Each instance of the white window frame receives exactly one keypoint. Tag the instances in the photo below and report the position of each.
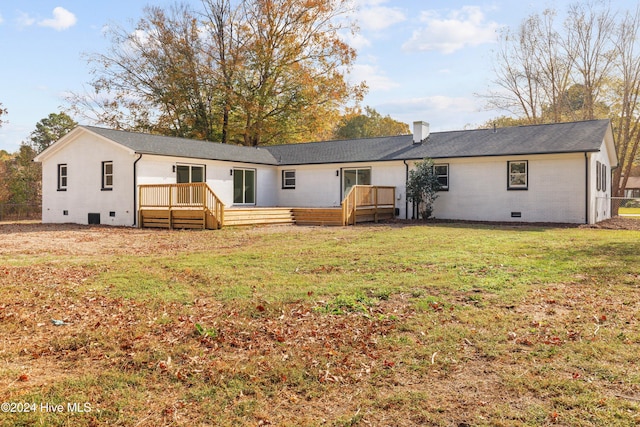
(512, 175)
(445, 175)
(289, 179)
(63, 176)
(107, 177)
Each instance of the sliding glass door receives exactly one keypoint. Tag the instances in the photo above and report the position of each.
(244, 186)
(351, 177)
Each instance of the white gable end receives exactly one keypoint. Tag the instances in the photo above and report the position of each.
(81, 156)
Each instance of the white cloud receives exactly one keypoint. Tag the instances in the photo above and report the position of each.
(440, 103)
(372, 18)
(378, 18)
(24, 20)
(1, 19)
(375, 79)
(441, 112)
(461, 28)
(62, 19)
(356, 41)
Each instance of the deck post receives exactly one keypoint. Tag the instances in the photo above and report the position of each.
(355, 205)
(138, 207)
(375, 204)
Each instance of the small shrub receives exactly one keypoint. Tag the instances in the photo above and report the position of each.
(422, 187)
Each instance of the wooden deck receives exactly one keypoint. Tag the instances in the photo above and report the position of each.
(194, 206)
(177, 218)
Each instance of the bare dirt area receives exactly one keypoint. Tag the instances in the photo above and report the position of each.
(618, 223)
(56, 239)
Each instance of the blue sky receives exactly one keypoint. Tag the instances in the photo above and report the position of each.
(422, 59)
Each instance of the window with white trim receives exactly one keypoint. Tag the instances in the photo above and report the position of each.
(107, 175)
(441, 172)
(289, 179)
(62, 177)
(517, 175)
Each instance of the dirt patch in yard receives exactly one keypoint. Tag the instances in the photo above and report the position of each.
(617, 223)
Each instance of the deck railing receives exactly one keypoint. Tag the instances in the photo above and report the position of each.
(369, 197)
(196, 195)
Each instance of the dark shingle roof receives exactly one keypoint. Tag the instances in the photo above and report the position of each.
(181, 147)
(586, 136)
(540, 139)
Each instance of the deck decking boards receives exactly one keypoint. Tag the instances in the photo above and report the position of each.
(196, 206)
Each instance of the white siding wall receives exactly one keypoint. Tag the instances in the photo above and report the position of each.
(159, 170)
(478, 190)
(599, 200)
(316, 186)
(321, 185)
(477, 186)
(84, 195)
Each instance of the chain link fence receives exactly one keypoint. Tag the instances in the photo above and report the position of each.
(623, 206)
(20, 211)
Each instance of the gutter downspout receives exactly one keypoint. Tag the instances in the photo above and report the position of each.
(406, 181)
(135, 191)
(586, 188)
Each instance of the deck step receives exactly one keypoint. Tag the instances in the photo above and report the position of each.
(262, 216)
(199, 219)
(318, 216)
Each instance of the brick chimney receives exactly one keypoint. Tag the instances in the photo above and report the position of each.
(420, 132)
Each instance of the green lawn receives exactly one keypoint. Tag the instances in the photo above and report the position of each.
(370, 325)
(629, 211)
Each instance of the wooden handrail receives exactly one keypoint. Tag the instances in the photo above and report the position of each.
(359, 196)
(188, 195)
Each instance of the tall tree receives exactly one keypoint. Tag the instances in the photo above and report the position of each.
(626, 98)
(50, 129)
(294, 68)
(156, 78)
(21, 177)
(587, 69)
(250, 71)
(518, 75)
(589, 30)
(369, 124)
(226, 52)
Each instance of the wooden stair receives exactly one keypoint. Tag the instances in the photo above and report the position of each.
(195, 205)
(258, 216)
(318, 216)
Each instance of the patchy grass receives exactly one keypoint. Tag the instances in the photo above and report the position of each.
(381, 325)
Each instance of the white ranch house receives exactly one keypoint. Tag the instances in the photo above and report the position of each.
(558, 173)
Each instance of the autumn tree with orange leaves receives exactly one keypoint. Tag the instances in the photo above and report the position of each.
(252, 72)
